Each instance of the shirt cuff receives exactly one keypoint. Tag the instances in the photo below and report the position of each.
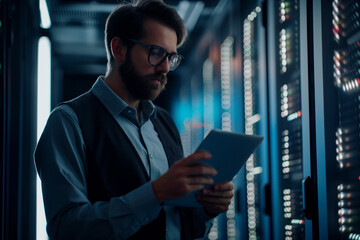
(143, 203)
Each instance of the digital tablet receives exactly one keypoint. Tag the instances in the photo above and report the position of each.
(229, 152)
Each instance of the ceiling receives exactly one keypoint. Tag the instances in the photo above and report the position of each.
(77, 30)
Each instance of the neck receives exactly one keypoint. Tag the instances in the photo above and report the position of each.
(115, 82)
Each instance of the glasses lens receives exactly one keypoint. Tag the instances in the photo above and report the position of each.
(156, 55)
(174, 61)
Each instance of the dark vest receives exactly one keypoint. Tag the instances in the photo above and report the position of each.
(113, 165)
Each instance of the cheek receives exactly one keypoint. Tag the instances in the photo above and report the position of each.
(141, 64)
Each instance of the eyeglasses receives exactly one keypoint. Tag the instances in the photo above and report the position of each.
(157, 55)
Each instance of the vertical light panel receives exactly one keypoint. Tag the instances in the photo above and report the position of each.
(226, 82)
(208, 92)
(208, 85)
(226, 92)
(44, 15)
(43, 111)
(251, 118)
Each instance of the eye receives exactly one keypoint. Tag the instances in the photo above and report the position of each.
(157, 53)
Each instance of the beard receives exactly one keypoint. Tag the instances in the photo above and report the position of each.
(141, 87)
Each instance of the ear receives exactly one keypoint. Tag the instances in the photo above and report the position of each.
(118, 49)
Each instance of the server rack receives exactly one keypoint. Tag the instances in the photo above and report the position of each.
(337, 100)
(289, 120)
(19, 29)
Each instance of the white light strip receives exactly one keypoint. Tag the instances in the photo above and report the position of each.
(226, 82)
(248, 38)
(283, 39)
(250, 119)
(208, 83)
(194, 16)
(43, 111)
(182, 8)
(43, 84)
(214, 233)
(208, 79)
(44, 14)
(227, 48)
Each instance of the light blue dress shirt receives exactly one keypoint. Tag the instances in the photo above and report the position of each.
(59, 157)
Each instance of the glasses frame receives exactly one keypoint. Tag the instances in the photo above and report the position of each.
(167, 54)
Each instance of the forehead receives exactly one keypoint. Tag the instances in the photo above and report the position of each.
(160, 34)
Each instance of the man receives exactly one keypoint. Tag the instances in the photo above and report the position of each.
(110, 160)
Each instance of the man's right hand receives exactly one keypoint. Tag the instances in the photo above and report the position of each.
(184, 177)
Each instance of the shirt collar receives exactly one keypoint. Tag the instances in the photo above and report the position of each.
(114, 104)
(148, 108)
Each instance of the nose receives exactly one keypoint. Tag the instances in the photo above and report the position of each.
(164, 66)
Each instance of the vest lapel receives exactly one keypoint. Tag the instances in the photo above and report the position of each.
(170, 150)
(134, 151)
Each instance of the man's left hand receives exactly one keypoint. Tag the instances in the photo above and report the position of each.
(216, 199)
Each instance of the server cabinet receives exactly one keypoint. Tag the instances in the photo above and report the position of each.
(337, 102)
(289, 118)
(19, 30)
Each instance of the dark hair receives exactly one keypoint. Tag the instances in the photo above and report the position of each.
(127, 22)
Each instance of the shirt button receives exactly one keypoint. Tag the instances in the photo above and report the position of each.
(151, 155)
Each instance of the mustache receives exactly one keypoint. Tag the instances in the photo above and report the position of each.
(161, 76)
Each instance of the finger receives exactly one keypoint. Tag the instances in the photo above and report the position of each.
(195, 187)
(223, 186)
(200, 180)
(210, 192)
(200, 170)
(195, 157)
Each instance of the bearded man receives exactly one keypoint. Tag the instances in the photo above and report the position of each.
(109, 160)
